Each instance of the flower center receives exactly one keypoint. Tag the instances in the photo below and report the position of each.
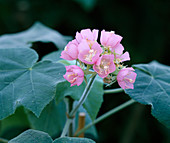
(89, 56)
(74, 74)
(73, 80)
(104, 67)
(129, 80)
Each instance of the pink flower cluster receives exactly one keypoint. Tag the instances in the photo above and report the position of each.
(105, 59)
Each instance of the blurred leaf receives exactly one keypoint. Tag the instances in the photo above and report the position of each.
(73, 140)
(54, 56)
(87, 4)
(32, 136)
(152, 87)
(37, 33)
(25, 82)
(14, 124)
(51, 120)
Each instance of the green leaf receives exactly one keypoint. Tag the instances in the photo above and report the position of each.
(32, 136)
(51, 120)
(93, 101)
(25, 82)
(37, 33)
(53, 56)
(14, 124)
(152, 87)
(73, 140)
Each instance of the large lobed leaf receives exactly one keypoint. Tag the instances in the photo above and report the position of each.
(34, 136)
(25, 82)
(152, 87)
(37, 33)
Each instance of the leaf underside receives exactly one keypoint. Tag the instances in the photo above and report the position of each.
(152, 87)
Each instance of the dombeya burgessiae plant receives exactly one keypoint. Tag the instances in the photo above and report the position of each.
(40, 88)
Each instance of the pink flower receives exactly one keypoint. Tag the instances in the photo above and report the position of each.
(87, 34)
(126, 77)
(71, 51)
(104, 65)
(123, 57)
(89, 54)
(74, 75)
(109, 39)
(118, 50)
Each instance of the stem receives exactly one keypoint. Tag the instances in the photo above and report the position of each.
(83, 97)
(117, 90)
(80, 102)
(3, 140)
(70, 107)
(107, 114)
(66, 127)
(0, 126)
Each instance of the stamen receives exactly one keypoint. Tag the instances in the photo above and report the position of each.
(89, 56)
(66, 48)
(91, 51)
(73, 80)
(129, 80)
(74, 74)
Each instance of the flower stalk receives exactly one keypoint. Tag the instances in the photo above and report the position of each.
(80, 102)
(112, 91)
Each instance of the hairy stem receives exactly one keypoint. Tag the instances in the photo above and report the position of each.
(80, 102)
(107, 114)
(117, 90)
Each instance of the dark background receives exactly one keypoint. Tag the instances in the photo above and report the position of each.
(145, 27)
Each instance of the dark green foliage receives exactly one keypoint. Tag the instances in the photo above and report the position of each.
(25, 82)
